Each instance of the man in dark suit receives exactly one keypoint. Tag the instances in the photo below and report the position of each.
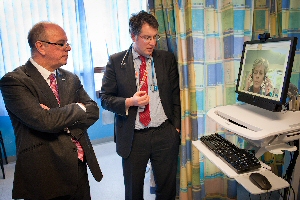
(52, 145)
(140, 137)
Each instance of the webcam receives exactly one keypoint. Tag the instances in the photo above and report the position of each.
(264, 36)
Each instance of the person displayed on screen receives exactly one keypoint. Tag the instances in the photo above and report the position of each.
(141, 86)
(257, 81)
(50, 112)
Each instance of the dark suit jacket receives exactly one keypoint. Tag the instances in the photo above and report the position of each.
(47, 163)
(119, 83)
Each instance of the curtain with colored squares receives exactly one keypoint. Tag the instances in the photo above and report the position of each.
(209, 41)
(166, 20)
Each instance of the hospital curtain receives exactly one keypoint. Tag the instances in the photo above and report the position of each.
(209, 41)
(211, 36)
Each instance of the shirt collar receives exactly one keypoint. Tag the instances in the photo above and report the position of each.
(136, 55)
(44, 72)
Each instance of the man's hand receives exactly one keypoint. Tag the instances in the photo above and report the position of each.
(82, 106)
(45, 107)
(140, 98)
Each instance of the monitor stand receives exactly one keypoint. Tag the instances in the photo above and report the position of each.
(265, 129)
(270, 131)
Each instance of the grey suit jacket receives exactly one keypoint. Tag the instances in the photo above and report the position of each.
(119, 83)
(47, 163)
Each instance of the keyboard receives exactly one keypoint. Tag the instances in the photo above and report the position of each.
(240, 160)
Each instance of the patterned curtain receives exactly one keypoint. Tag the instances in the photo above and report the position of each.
(207, 37)
(209, 40)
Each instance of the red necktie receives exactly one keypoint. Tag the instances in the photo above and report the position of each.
(54, 89)
(80, 152)
(145, 115)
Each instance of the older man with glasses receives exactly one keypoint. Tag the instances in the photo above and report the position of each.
(50, 112)
(141, 86)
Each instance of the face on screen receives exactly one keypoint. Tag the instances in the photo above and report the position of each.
(263, 69)
(258, 77)
(258, 81)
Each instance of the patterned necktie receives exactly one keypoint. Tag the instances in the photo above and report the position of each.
(54, 87)
(80, 152)
(145, 115)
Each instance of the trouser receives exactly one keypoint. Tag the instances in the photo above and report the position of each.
(161, 146)
(83, 188)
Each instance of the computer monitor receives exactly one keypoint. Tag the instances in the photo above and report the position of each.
(265, 71)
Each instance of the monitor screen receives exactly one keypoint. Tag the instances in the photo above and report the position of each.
(265, 72)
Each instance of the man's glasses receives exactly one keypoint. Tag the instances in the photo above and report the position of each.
(65, 45)
(149, 38)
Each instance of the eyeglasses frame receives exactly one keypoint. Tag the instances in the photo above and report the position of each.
(66, 45)
(149, 38)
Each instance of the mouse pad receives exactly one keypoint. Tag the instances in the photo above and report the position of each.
(277, 182)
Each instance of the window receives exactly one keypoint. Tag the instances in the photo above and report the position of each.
(107, 24)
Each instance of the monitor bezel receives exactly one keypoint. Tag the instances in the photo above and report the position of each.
(261, 101)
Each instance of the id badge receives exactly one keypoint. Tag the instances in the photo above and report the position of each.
(154, 88)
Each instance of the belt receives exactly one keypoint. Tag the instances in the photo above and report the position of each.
(152, 128)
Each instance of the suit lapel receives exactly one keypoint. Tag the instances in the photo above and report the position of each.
(41, 83)
(129, 73)
(159, 68)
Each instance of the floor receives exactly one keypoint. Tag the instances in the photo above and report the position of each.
(111, 186)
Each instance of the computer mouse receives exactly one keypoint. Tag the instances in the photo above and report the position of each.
(260, 181)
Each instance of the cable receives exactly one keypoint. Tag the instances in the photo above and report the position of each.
(290, 169)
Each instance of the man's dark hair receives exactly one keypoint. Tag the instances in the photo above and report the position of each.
(137, 20)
